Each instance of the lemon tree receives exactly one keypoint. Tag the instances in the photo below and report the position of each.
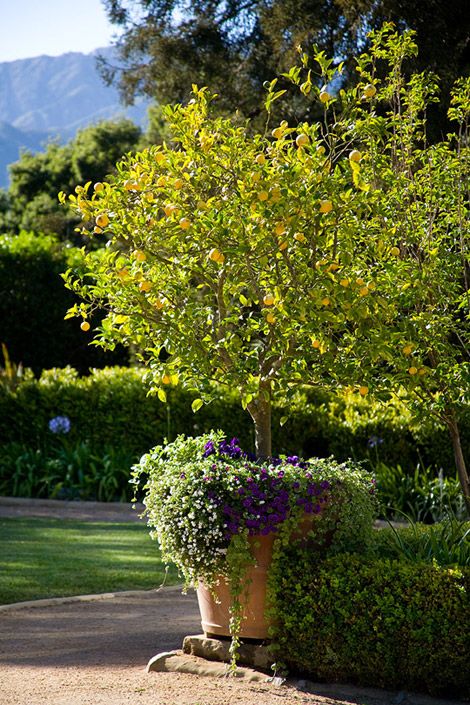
(327, 254)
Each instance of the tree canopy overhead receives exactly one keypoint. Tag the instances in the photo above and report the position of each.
(234, 46)
(331, 254)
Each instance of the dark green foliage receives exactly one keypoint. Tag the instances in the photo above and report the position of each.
(36, 179)
(234, 46)
(61, 470)
(110, 407)
(422, 493)
(379, 622)
(446, 543)
(33, 302)
(114, 422)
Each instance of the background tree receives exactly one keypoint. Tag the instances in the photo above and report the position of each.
(235, 46)
(36, 179)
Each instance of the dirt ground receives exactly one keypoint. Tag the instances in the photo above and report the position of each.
(95, 651)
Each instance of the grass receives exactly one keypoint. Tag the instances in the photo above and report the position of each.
(57, 558)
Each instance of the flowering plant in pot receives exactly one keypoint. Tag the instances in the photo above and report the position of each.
(210, 505)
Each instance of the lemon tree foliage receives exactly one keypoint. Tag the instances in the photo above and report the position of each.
(331, 254)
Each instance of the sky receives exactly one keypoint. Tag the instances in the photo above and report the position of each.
(30, 28)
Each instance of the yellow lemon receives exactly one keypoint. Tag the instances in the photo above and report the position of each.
(166, 379)
(324, 95)
(412, 371)
(344, 282)
(363, 291)
(302, 140)
(320, 150)
(123, 273)
(270, 318)
(277, 133)
(369, 91)
(145, 286)
(102, 220)
(300, 237)
(131, 185)
(280, 228)
(268, 300)
(160, 157)
(185, 223)
(179, 183)
(85, 326)
(260, 159)
(407, 350)
(263, 195)
(216, 256)
(283, 245)
(98, 187)
(325, 301)
(363, 391)
(355, 156)
(326, 206)
(140, 256)
(316, 344)
(169, 209)
(395, 251)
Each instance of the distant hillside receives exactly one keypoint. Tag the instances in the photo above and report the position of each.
(48, 97)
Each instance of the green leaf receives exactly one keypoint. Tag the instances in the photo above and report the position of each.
(161, 395)
(196, 405)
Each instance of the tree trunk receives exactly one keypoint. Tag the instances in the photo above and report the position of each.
(260, 412)
(453, 427)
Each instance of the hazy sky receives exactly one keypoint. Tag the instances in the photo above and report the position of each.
(33, 27)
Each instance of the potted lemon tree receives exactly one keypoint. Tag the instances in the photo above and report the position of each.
(313, 254)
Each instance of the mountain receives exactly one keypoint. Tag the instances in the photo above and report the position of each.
(52, 97)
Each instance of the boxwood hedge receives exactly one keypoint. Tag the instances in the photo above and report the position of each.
(375, 622)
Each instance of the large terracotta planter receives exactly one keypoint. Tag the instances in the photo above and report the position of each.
(214, 605)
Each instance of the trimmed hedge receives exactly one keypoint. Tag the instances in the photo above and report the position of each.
(33, 303)
(380, 622)
(111, 407)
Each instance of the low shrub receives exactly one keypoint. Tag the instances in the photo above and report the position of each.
(421, 494)
(374, 622)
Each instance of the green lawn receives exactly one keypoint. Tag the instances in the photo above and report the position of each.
(54, 558)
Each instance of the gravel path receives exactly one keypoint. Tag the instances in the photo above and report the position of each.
(94, 650)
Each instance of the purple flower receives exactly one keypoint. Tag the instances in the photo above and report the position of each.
(60, 425)
(209, 449)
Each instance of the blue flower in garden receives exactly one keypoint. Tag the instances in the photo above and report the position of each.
(60, 424)
(374, 441)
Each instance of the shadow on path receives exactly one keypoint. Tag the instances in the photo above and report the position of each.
(125, 629)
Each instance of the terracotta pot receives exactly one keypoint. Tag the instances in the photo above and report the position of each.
(215, 614)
